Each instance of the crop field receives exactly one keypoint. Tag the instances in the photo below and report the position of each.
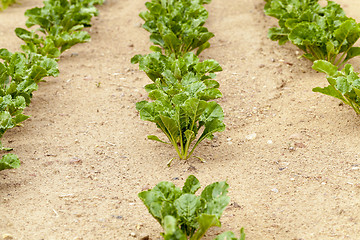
(254, 147)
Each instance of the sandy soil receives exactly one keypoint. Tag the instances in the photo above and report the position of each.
(85, 155)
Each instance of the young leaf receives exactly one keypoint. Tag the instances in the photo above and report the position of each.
(9, 161)
(155, 138)
(191, 185)
(172, 232)
(325, 67)
(205, 221)
(216, 198)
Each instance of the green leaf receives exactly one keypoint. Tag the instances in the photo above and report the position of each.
(172, 128)
(202, 48)
(209, 94)
(207, 66)
(20, 118)
(187, 206)
(155, 138)
(348, 33)
(353, 52)
(136, 59)
(216, 198)
(205, 221)
(325, 67)
(191, 185)
(172, 231)
(277, 34)
(9, 161)
(194, 108)
(330, 91)
(155, 198)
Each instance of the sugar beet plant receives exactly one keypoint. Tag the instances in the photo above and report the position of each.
(181, 91)
(344, 84)
(19, 77)
(182, 85)
(323, 33)
(184, 215)
(176, 26)
(60, 24)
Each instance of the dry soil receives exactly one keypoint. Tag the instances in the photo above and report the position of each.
(290, 156)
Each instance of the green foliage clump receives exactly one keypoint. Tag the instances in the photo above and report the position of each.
(181, 91)
(184, 215)
(323, 33)
(177, 26)
(344, 84)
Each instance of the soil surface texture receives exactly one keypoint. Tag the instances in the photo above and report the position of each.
(290, 156)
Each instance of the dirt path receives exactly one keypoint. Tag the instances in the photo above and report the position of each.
(85, 155)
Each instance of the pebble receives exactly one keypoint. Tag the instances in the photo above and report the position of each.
(295, 136)
(7, 236)
(251, 136)
(355, 168)
(89, 77)
(144, 237)
(133, 234)
(275, 190)
(269, 142)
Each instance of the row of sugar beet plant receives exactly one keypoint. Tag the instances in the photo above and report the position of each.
(181, 105)
(327, 37)
(60, 26)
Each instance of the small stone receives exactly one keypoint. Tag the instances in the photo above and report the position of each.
(269, 142)
(144, 237)
(261, 65)
(235, 205)
(355, 168)
(7, 236)
(275, 190)
(295, 136)
(89, 77)
(132, 234)
(251, 136)
(299, 145)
